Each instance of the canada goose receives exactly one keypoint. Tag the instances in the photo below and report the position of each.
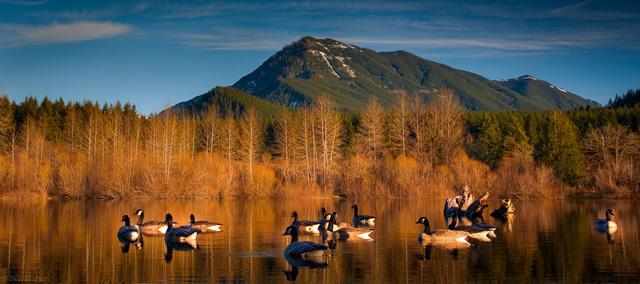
(443, 237)
(345, 232)
(607, 225)
(362, 219)
(128, 233)
(301, 249)
(204, 226)
(305, 226)
(314, 227)
(184, 234)
(150, 228)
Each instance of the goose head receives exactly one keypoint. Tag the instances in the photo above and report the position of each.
(139, 212)
(425, 222)
(125, 220)
(610, 214)
(168, 218)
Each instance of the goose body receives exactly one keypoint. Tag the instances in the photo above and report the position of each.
(127, 232)
(345, 232)
(362, 219)
(184, 234)
(150, 228)
(302, 249)
(607, 225)
(441, 237)
(204, 226)
(305, 226)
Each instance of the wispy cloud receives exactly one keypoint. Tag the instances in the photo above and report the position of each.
(20, 35)
(24, 2)
(233, 39)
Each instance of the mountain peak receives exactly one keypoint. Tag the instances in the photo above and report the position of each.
(527, 77)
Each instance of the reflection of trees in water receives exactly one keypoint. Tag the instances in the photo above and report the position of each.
(548, 241)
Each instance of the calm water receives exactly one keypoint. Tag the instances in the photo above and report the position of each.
(546, 241)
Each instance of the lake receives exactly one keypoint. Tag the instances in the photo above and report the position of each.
(550, 241)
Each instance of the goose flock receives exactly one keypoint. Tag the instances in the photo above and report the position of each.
(463, 215)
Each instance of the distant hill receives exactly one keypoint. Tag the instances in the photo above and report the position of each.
(227, 100)
(547, 95)
(351, 75)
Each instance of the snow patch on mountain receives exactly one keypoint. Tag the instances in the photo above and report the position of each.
(326, 60)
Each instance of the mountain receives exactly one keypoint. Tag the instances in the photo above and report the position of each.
(350, 75)
(546, 94)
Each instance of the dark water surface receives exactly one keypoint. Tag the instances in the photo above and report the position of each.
(546, 241)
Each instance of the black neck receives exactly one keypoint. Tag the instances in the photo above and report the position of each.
(427, 228)
(355, 211)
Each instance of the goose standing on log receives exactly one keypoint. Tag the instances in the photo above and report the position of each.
(362, 219)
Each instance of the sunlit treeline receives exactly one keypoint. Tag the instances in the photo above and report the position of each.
(417, 146)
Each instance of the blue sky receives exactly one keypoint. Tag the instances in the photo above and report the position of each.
(157, 53)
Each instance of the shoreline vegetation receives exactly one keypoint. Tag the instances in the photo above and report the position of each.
(419, 146)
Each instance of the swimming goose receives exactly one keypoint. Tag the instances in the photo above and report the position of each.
(345, 232)
(128, 233)
(150, 228)
(607, 225)
(362, 219)
(301, 249)
(441, 237)
(304, 225)
(204, 226)
(184, 234)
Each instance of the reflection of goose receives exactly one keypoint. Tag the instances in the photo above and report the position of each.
(607, 225)
(346, 232)
(446, 238)
(171, 246)
(297, 263)
(301, 249)
(128, 233)
(150, 228)
(204, 226)
(362, 219)
(180, 234)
